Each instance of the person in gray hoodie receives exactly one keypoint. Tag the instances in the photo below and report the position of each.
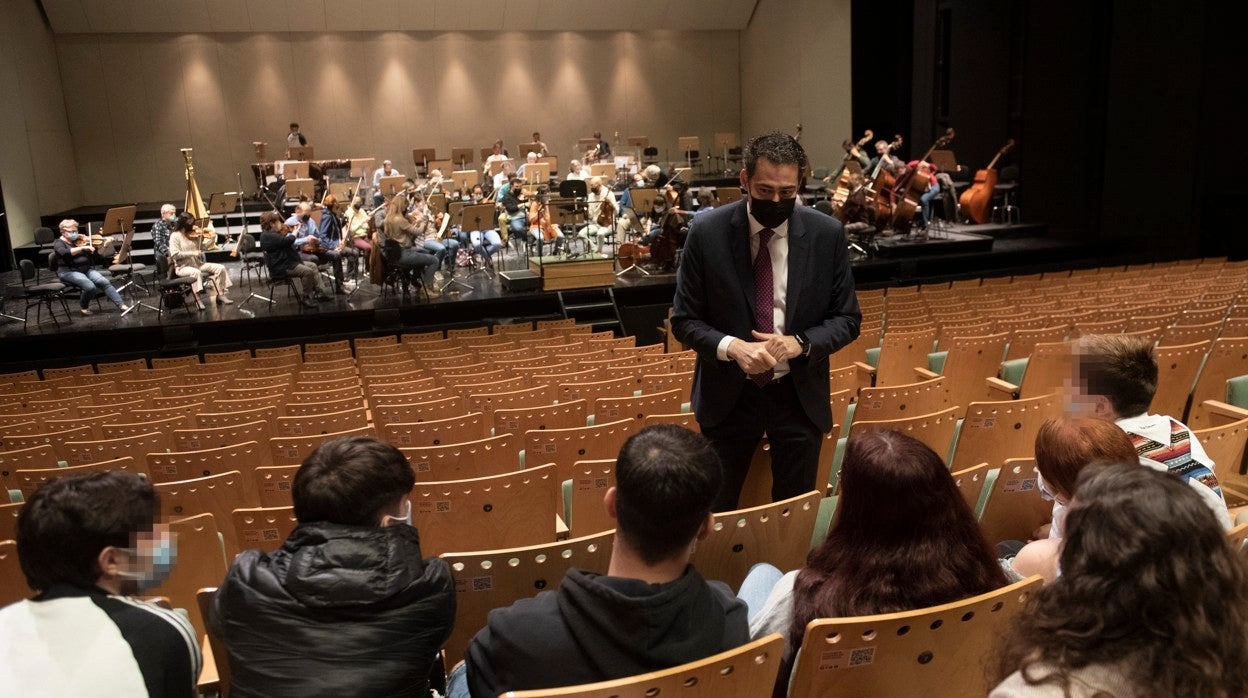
(650, 611)
(347, 606)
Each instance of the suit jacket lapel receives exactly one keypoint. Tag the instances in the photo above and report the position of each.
(740, 246)
(799, 259)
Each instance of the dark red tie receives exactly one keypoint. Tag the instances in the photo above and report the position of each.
(764, 297)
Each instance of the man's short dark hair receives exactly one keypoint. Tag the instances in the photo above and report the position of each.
(667, 478)
(351, 480)
(294, 125)
(778, 148)
(67, 522)
(1120, 367)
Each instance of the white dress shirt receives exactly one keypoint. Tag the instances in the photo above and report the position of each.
(779, 248)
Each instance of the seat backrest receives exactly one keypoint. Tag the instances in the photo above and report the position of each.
(1177, 367)
(993, 431)
(609, 409)
(37, 457)
(935, 429)
(868, 338)
(897, 401)
(488, 402)
(1014, 507)
(8, 518)
(564, 447)
(493, 455)
(201, 563)
(900, 352)
(218, 495)
(895, 653)
(320, 411)
(289, 450)
(502, 511)
(435, 432)
(225, 435)
(748, 670)
(274, 483)
(970, 484)
(1226, 359)
(494, 579)
(591, 390)
(518, 420)
(244, 457)
(83, 452)
(29, 480)
(586, 514)
(323, 423)
(1225, 446)
(265, 528)
(968, 362)
(778, 533)
(1049, 368)
(662, 382)
(1023, 341)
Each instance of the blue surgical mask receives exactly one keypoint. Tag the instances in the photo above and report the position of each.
(164, 554)
(405, 518)
(72, 236)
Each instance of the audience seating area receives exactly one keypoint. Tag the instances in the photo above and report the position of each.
(512, 431)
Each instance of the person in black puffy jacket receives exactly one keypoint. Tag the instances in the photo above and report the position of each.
(347, 606)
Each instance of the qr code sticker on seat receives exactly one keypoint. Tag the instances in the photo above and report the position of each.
(841, 659)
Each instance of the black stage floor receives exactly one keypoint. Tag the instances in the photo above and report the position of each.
(642, 301)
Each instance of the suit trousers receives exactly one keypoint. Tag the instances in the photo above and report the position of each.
(773, 410)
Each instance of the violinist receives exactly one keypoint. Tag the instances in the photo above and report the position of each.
(414, 260)
(577, 171)
(486, 241)
(301, 224)
(425, 229)
(505, 173)
(284, 261)
(188, 260)
(601, 210)
(530, 159)
(329, 233)
(512, 207)
(706, 203)
(73, 265)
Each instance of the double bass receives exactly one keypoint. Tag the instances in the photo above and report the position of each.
(883, 182)
(673, 228)
(841, 190)
(916, 184)
(974, 201)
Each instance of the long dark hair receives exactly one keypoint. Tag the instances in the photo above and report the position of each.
(1149, 584)
(904, 538)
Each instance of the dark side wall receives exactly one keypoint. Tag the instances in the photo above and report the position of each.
(1119, 109)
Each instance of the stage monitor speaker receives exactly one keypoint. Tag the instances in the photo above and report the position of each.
(521, 280)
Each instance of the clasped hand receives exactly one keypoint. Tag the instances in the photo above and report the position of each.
(758, 356)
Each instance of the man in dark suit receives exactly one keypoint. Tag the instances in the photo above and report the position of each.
(765, 295)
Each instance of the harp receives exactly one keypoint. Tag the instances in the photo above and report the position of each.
(195, 205)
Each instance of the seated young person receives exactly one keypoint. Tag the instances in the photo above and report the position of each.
(1116, 378)
(904, 539)
(347, 606)
(1151, 601)
(85, 543)
(650, 611)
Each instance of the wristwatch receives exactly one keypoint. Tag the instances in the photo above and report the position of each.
(803, 342)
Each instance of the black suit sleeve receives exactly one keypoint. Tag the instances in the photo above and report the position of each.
(842, 319)
(689, 305)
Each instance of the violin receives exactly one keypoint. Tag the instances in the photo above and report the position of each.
(539, 219)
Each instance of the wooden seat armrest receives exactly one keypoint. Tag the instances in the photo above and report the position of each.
(1001, 390)
(561, 528)
(209, 681)
(1220, 413)
(866, 374)
(924, 374)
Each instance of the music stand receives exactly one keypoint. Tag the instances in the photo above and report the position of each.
(437, 203)
(391, 185)
(527, 148)
(724, 141)
(606, 170)
(497, 166)
(536, 173)
(421, 158)
(299, 152)
(302, 189)
(551, 160)
(684, 174)
(644, 198)
(465, 180)
(120, 220)
(727, 195)
(296, 169)
(222, 204)
(639, 141)
(461, 157)
(689, 144)
(261, 149)
(944, 160)
(583, 145)
(444, 165)
(363, 167)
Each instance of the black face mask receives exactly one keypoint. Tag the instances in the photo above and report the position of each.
(772, 213)
(305, 217)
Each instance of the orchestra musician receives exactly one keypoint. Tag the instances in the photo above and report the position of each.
(162, 230)
(284, 260)
(295, 138)
(857, 209)
(603, 152)
(486, 241)
(883, 153)
(577, 171)
(511, 209)
(425, 230)
(329, 233)
(301, 222)
(706, 203)
(188, 260)
(664, 206)
(928, 170)
(599, 195)
(530, 159)
(497, 154)
(418, 263)
(74, 266)
(355, 225)
(386, 170)
(542, 150)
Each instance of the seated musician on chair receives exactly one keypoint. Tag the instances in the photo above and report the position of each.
(162, 230)
(599, 194)
(418, 263)
(927, 169)
(486, 241)
(497, 154)
(188, 260)
(74, 266)
(355, 225)
(577, 171)
(333, 241)
(666, 205)
(510, 205)
(426, 229)
(542, 150)
(284, 261)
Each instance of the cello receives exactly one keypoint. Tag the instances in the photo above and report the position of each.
(974, 201)
(916, 185)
